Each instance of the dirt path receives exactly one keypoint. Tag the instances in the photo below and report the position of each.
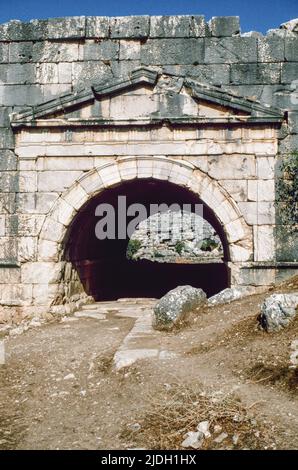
(58, 389)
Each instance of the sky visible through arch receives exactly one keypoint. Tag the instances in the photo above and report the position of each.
(255, 15)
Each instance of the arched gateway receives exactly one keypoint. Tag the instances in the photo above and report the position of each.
(147, 127)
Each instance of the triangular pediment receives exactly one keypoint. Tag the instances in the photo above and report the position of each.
(147, 97)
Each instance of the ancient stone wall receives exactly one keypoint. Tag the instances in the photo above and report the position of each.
(44, 59)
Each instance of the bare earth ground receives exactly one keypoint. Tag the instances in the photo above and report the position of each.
(224, 370)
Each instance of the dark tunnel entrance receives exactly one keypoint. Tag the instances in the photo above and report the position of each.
(102, 265)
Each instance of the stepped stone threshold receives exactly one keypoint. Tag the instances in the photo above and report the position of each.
(152, 107)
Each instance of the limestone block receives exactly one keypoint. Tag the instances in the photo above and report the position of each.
(265, 167)
(232, 167)
(8, 160)
(249, 211)
(26, 95)
(97, 26)
(257, 277)
(161, 169)
(291, 49)
(130, 50)
(20, 52)
(44, 202)
(10, 275)
(52, 230)
(12, 294)
(103, 50)
(288, 72)
(127, 169)
(200, 162)
(6, 138)
(239, 254)
(88, 72)
(236, 188)
(46, 51)
(226, 210)
(180, 175)
(52, 90)
(4, 52)
(255, 73)
(91, 182)
(224, 26)
(43, 294)
(42, 272)
(63, 212)
(8, 249)
(215, 74)
(72, 27)
(28, 181)
(293, 122)
(56, 180)
(4, 116)
(2, 225)
(264, 243)
(230, 50)
(18, 74)
(27, 248)
(64, 72)
(76, 196)
(48, 250)
(65, 163)
(178, 26)
(129, 27)
(266, 213)
(261, 190)
(235, 230)
(48, 73)
(271, 49)
(30, 224)
(172, 51)
(145, 168)
(8, 203)
(109, 175)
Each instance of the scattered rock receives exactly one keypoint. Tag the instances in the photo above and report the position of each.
(291, 25)
(229, 294)
(193, 439)
(173, 308)
(277, 311)
(203, 427)
(294, 354)
(219, 439)
(69, 377)
(235, 439)
(135, 427)
(217, 429)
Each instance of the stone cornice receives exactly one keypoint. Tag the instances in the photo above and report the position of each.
(45, 114)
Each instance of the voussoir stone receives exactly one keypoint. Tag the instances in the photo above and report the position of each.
(172, 309)
(277, 311)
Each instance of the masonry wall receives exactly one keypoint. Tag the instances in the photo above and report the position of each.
(44, 58)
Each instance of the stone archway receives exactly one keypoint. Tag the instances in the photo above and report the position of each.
(177, 171)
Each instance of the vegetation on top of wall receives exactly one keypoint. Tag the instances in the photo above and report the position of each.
(132, 248)
(179, 247)
(287, 191)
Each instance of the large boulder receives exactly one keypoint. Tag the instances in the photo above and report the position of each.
(230, 294)
(173, 308)
(277, 311)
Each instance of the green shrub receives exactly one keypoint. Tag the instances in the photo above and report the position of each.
(179, 247)
(287, 191)
(132, 248)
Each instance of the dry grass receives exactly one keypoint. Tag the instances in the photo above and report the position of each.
(172, 413)
(275, 375)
